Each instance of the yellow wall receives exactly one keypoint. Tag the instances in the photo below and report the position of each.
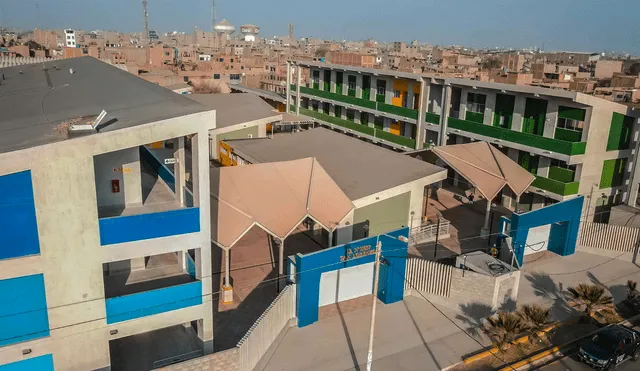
(224, 151)
(394, 128)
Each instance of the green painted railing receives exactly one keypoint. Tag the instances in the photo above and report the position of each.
(432, 118)
(532, 140)
(568, 135)
(339, 97)
(554, 186)
(381, 134)
(351, 92)
(400, 111)
(561, 174)
(380, 98)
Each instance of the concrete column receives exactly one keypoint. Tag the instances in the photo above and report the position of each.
(543, 166)
(422, 108)
(386, 123)
(298, 83)
(179, 169)
(410, 94)
(330, 239)
(408, 129)
(227, 268)
(343, 112)
(388, 96)
(345, 83)
(359, 85)
(444, 115)
(332, 110)
(463, 103)
(332, 83)
(288, 100)
(374, 88)
(344, 232)
(137, 263)
(518, 112)
(356, 117)
(205, 331)
(131, 178)
(551, 119)
(490, 105)
(321, 80)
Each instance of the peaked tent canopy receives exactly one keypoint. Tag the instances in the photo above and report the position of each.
(484, 166)
(276, 196)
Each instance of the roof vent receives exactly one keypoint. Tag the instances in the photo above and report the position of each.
(71, 71)
(86, 128)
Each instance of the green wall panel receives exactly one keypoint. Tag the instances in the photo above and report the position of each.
(571, 113)
(568, 135)
(561, 174)
(240, 134)
(535, 113)
(386, 215)
(474, 117)
(613, 173)
(620, 132)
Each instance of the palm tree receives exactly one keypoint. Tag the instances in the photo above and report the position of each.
(590, 299)
(535, 319)
(503, 328)
(631, 290)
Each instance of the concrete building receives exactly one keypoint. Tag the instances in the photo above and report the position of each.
(574, 143)
(70, 38)
(102, 241)
(386, 188)
(605, 69)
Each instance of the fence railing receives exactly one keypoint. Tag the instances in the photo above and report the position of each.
(267, 328)
(428, 277)
(609, 237)
(427, 233)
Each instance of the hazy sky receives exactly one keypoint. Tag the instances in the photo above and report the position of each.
(577, 25)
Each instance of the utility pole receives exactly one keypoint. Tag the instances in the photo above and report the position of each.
(213, 16)
(146, 19)
(290, 40)
(376, 274)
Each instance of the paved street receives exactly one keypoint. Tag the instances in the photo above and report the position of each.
(410, 335)
(571, 363)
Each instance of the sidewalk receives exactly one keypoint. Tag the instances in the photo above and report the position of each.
(409, 335)
(545, 282)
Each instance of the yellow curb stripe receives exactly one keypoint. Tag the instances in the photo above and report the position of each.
(494, 350)
(531, 359)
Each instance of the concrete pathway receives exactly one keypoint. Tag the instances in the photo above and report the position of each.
(410, 335)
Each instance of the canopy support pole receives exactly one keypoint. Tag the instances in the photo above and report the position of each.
(485, 230)
(280, 262)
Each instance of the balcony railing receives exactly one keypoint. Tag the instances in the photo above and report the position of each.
(432, 118)
(557, 187)
(339, 97)
(381, 134)
(147, 303)
(549, 144)
(122, 229)
(568, 135)
(400, 111)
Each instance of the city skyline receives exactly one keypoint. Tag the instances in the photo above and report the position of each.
(565, 25)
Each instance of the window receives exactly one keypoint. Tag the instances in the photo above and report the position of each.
(396, 94)
(381, 87)
(562, 164)
(476, 102)
(216, 76)
(186, 79)
(231, 60)
(570, 124)
(351, 82)
(68, 37)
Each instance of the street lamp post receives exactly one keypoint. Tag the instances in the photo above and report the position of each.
(376, 274)
(493, 208)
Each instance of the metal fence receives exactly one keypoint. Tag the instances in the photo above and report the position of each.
(609, 237)
(428, 277)
(427, 232)
(267, 328)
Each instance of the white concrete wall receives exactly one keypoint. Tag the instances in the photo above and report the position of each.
(71, 255)
(124, 166)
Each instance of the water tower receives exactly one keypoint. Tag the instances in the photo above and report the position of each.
(224, 29)
(250, 31)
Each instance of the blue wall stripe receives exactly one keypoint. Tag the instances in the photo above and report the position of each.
(42, 363)
(152, 302)
(23, 309)
(311, 266)
(18, 225)
(121, 229)
(563, 235)
(158, 166)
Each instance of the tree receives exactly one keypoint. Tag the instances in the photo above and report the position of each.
(590, 299)
(634, 70)
(492, 63)
(632, 293)
(503, 328)
(535, 320)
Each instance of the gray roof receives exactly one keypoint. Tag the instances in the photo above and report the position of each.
(31, 108)
(359, 168)
(261, 92)
(236, 108)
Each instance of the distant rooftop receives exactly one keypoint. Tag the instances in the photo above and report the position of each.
(33, 103)
(236, 108)
(359, 168)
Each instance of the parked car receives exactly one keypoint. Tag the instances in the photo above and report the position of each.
(610, 347)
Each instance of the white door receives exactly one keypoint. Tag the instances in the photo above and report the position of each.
(346, 283)
(537, 239)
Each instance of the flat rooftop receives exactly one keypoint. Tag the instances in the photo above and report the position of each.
(236, 108)
(359, 168)
(34, 102)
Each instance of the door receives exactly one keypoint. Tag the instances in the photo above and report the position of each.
(394, 128)
(345, 284)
